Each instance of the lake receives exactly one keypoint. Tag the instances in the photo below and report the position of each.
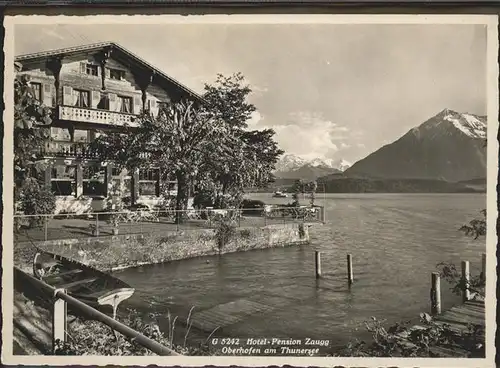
(395, 240)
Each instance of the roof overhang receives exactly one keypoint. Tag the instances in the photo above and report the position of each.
(119, 53)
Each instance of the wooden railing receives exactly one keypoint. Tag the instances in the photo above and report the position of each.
(89, 115)
(70, 149)
(60, 301)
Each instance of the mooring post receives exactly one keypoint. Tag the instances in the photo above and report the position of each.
(435, 293)
(350, 277)
(318, 264)
(466, 281)
(59, 319)
(483, 267)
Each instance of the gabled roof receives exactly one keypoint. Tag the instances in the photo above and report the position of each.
(116, 50)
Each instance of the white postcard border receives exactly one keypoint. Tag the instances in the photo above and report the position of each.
(492, 150)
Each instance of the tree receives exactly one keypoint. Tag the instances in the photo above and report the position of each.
(476, 227)
(178, 141)
(203, 144)
(31, 121)
(311, 188)
(254, 152)
(227, 99)
(297, 189)
(31, 132)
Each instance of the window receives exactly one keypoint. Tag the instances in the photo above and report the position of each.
(121, 184)
(125, 104)
(37, 91)
(116, 74)
(103, 102)
(81, 135)
(60, 134)
(116, 171)
(81, 98)
(149, 182)
(92, 70)
(63, 180)
(94, 181)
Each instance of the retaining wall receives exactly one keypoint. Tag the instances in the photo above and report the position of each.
(124, 251)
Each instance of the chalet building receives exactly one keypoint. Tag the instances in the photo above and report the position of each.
(96, 87)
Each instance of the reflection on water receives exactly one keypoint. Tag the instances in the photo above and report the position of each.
(396, 241)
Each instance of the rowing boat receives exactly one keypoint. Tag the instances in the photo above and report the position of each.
(82, 282)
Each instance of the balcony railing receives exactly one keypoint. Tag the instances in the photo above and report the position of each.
(88, 115)
(70, 149)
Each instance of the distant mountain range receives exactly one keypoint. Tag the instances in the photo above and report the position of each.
(446, 153)
(294, 167)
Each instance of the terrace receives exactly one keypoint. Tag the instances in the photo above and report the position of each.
(145, 221)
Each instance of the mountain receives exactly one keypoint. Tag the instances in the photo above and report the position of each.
(449, 146)
(289, 162)
(341, 165)
(307, 172)
(294, 167)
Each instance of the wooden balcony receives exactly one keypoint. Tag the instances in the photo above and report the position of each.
(70, 149)
(88, 115)
(76, 150)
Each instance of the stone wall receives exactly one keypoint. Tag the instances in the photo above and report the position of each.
(122, 251)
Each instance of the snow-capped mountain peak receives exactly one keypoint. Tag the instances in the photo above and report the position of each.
(469, 124)
(342, 164)
(291, 162)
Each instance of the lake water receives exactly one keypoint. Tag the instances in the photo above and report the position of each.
(396, 240)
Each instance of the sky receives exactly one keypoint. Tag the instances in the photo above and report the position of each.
(334, 91)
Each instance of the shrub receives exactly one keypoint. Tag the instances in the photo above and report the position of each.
(251, 206)
(87, 337)
(203, 199)
(245, 233)
(35, 199)
(400, 340)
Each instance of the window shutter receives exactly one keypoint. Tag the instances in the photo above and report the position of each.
(96, 97)
(67, 96)
(137, 105)
(113, 102)
(47, 95)
(107, 73)
(83, 68)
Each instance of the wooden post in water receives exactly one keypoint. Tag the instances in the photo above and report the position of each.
(59, 319)
(435, 293)
(318, 264)
(350, 277)
(483, 267)
(466, 281)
